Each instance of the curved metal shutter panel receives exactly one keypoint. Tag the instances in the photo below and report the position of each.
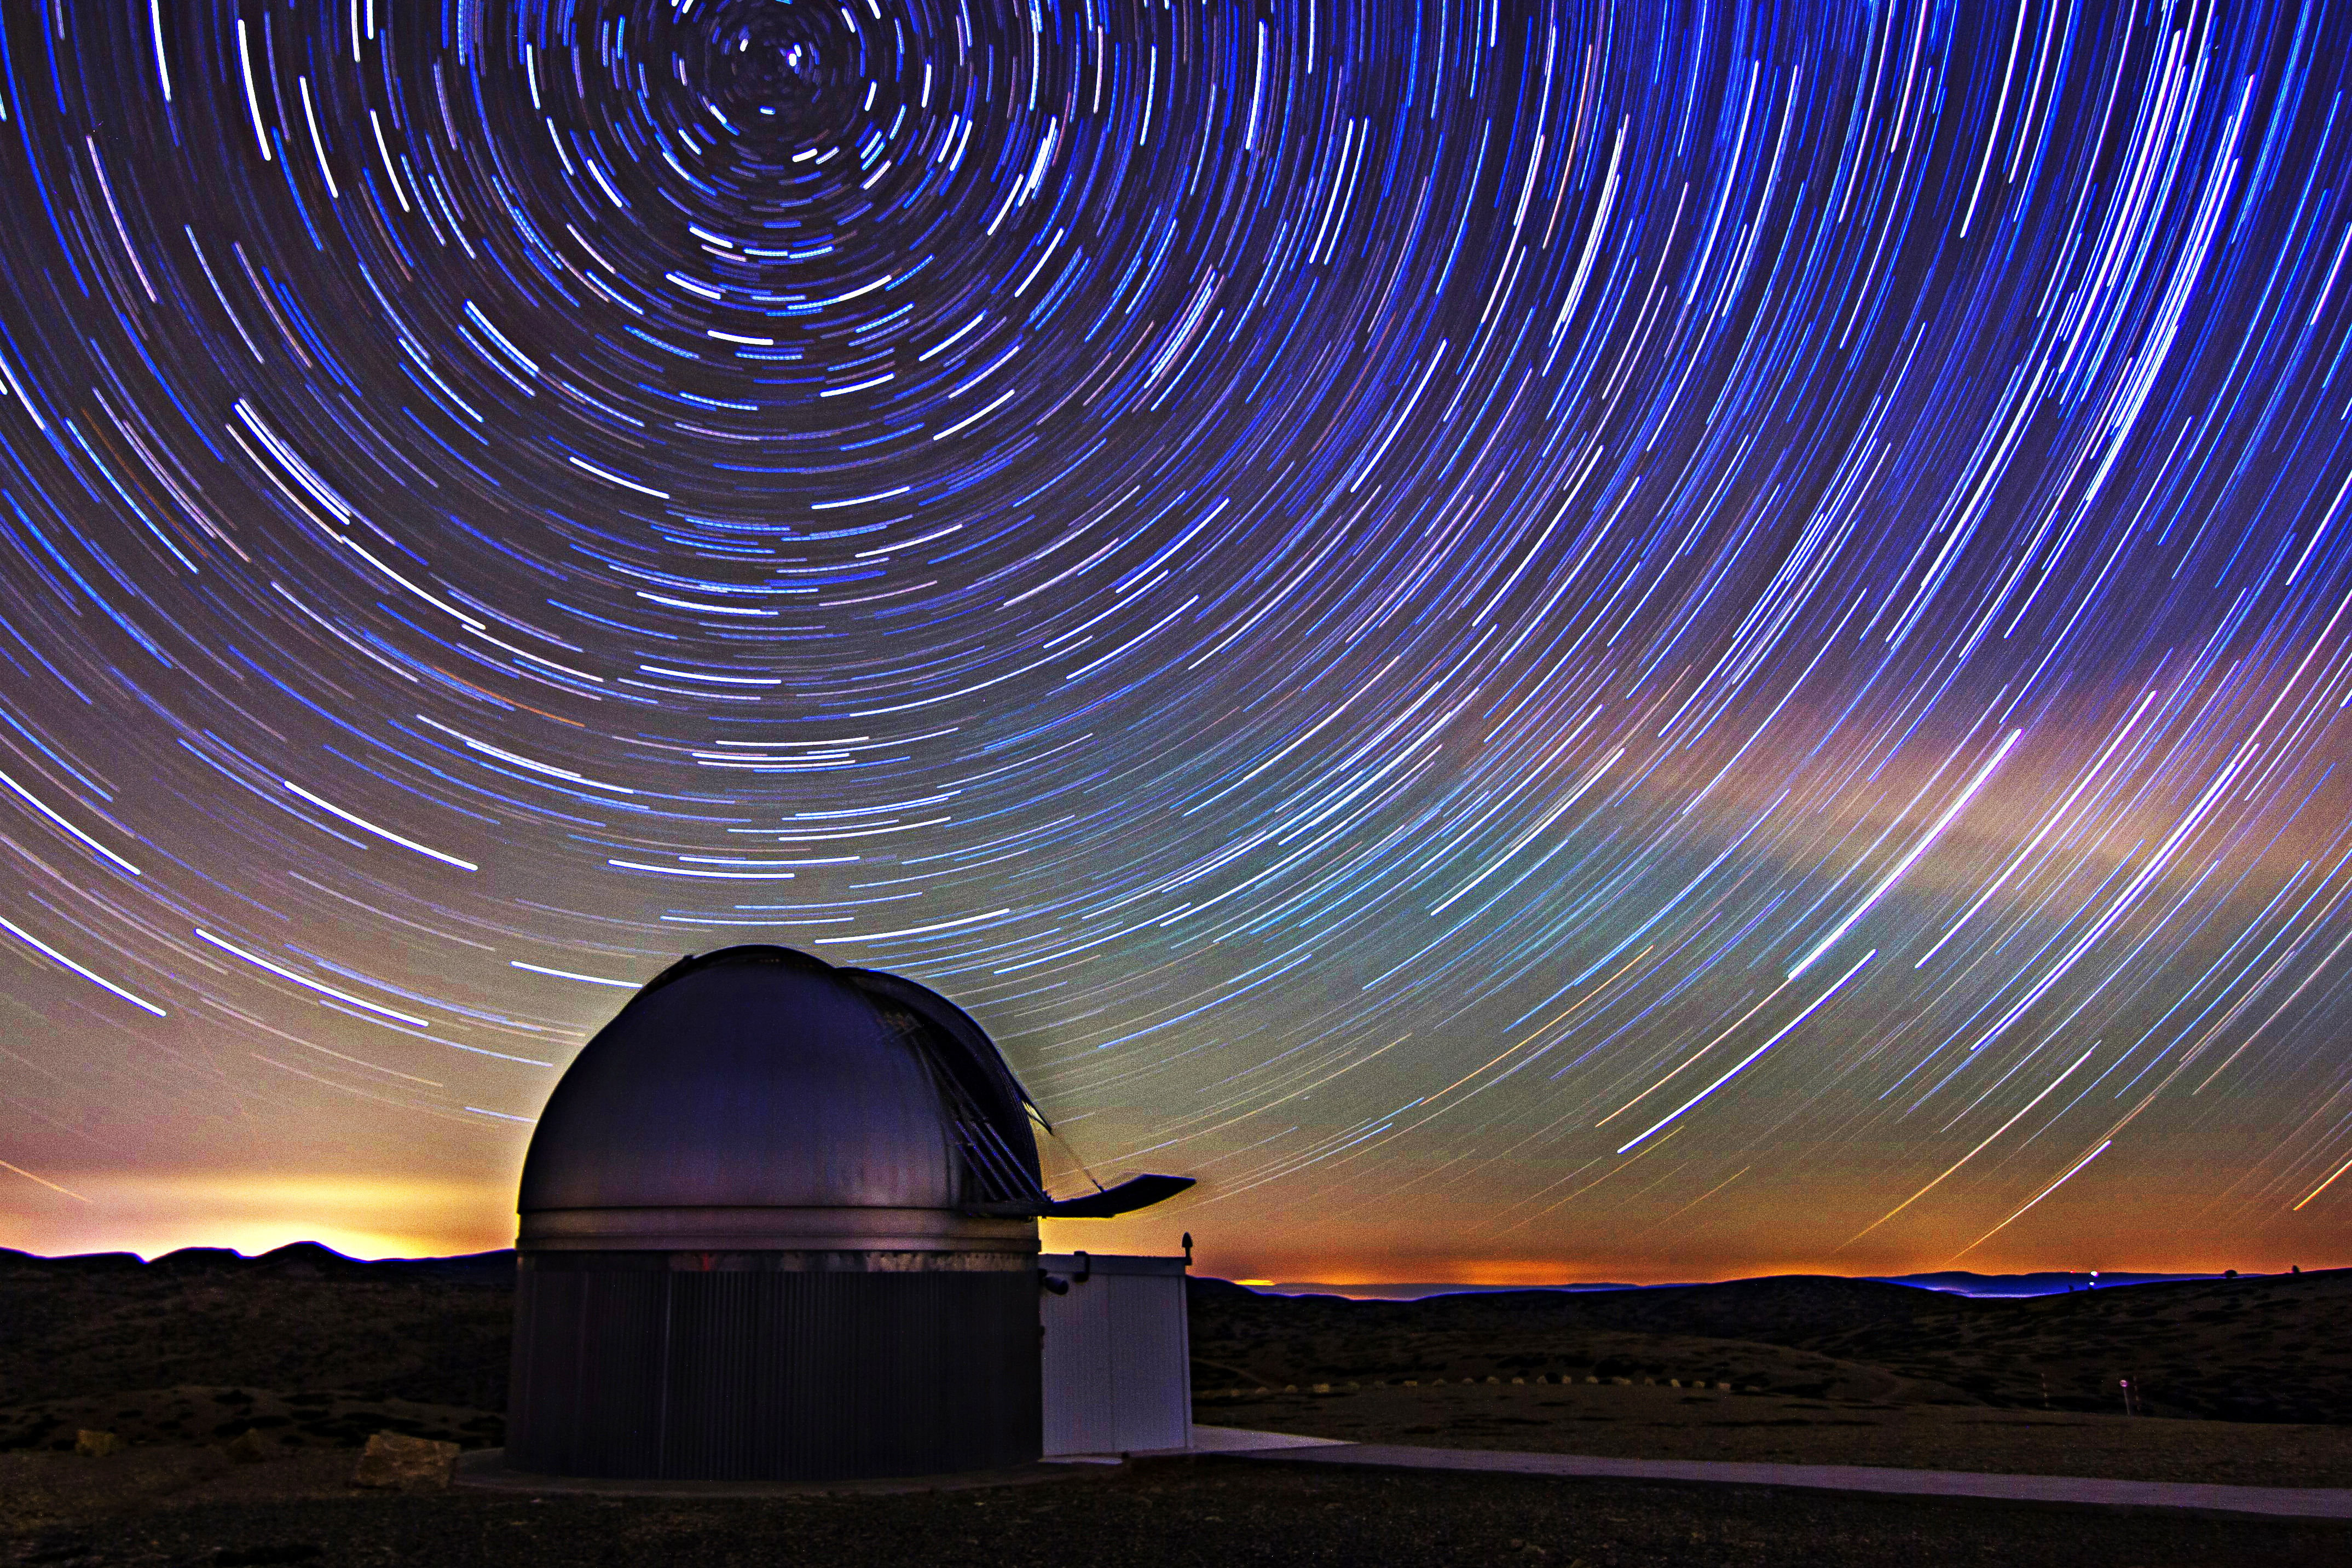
(626, 1369)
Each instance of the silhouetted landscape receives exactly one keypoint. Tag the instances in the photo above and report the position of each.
(2258, 1348)
(2245, 1381)
(303, 1320)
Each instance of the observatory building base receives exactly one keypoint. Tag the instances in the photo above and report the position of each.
(825, 1365)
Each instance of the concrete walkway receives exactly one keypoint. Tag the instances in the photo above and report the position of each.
(1205, 1441)
(2274, 1502)
(1239, 1440)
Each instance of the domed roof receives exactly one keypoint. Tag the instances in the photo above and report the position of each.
(758, 1076)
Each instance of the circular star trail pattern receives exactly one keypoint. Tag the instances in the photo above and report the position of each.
(1554, 631)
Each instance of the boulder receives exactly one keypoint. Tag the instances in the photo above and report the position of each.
(407, 1464)
(249, 1447)
(96, 1445)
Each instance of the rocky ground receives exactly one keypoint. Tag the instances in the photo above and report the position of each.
(1212, 1513)
(195, 1414)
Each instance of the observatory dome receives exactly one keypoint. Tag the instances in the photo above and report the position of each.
(779, 1221)
(755, 1092)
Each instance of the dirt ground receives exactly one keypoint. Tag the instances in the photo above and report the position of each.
(149, 1509)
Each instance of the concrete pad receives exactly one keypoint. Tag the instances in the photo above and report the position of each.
(1239, 1440)
(2274, 1502)
(1205, 1441)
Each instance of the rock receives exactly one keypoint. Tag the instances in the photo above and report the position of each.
(408, 1464)
(96, 1445)
(248, 1448)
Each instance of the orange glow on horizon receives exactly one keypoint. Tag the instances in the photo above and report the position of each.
(360, 1216)
(371, 1216)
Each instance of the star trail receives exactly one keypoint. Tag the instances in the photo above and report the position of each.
(1532, 636)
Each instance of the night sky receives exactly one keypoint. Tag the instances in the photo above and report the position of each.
(1544, 641)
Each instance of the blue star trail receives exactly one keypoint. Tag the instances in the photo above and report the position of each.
(1658, 633)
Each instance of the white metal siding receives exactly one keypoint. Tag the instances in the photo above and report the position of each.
(1075, 1360)
(1116, 1360)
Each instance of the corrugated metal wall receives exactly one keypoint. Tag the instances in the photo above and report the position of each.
(627, 1366)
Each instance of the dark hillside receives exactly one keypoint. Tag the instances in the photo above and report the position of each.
(302, 1317)
(2267, 1348)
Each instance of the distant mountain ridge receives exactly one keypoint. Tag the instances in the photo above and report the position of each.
(1951, 1281)
(2047, 1283)
(296, 1260)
